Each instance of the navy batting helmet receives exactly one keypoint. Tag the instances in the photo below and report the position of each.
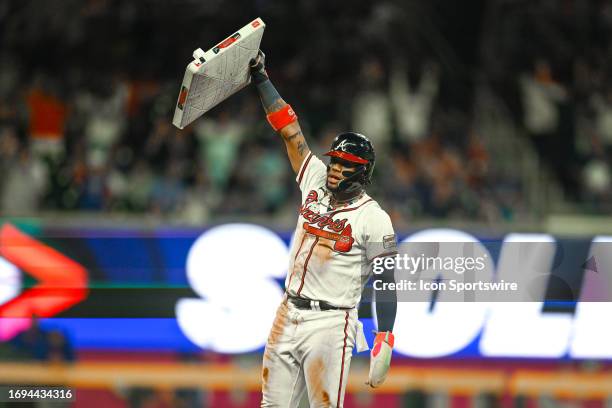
(354, 148)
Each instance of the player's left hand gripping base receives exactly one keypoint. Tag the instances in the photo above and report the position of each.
(258, 68)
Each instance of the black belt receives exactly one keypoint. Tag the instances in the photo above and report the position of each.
(308, 304)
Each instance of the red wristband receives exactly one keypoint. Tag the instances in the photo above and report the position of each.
(281, 118)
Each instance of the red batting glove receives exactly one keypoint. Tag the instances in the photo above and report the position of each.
(380, 358)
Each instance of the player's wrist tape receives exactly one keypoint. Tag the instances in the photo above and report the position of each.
(281, 118)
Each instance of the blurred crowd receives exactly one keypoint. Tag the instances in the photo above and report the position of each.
(550, 61)
(88, 89)
(38, 344)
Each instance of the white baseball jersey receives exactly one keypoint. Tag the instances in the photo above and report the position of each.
(333, 247)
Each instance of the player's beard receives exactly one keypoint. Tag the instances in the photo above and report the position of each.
(346, 194)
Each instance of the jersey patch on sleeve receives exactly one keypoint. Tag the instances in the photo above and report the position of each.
(389, 241)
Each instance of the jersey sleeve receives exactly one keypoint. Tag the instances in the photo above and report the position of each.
(312, 173)
(378, 234)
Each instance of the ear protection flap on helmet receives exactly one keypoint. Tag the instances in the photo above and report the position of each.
(354, 181)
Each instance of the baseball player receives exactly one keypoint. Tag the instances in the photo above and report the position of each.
(340, 231)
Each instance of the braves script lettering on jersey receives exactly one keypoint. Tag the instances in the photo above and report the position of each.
(332, 249)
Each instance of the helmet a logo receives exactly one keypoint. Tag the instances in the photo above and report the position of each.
(343, 145)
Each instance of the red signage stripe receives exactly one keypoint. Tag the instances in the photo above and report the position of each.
(62, 281)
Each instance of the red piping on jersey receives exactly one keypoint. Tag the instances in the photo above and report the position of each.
(296, 255)
(342, 364)
(314, 244)
(349, 209)
(304, 167)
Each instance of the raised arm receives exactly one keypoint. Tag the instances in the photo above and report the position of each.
(280, 115)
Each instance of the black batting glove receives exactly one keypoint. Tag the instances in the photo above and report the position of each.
(258, 68)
